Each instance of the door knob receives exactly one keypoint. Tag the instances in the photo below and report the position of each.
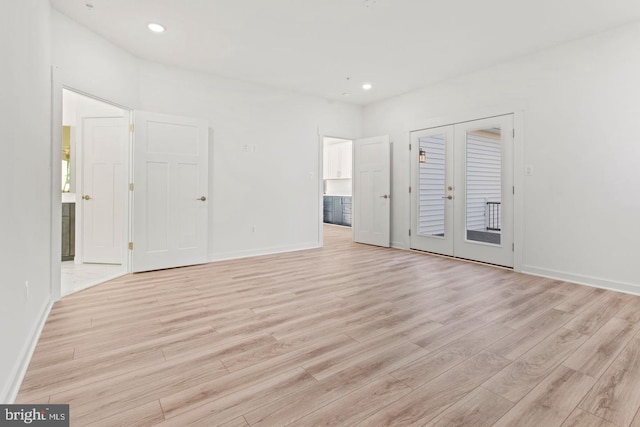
(86, 197)
(386, 196)
(448, 197)
(202, 199)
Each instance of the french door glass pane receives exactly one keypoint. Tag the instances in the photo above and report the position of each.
(483, 185)
(431, 183)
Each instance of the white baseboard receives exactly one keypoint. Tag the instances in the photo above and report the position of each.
(223, 256)
(594, 282)
(11, 392)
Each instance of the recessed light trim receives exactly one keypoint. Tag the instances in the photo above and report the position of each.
(156, 28)
(367, 86)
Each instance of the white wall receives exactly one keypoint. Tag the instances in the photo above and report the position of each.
(276, 188)
(86, 62)
(581, 105)
(25, 223)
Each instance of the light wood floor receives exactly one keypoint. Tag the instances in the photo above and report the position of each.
(344, 335)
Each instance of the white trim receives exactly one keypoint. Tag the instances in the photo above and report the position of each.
(594, 282)
(55, 195)
(462, 117)
(518, 183)
(19, 371)
(320, 188)
(224, 256)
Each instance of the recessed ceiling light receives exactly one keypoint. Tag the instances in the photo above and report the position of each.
(156, 28)
(367, 86)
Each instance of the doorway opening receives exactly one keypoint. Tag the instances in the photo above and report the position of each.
(337, 182)
(94, 186)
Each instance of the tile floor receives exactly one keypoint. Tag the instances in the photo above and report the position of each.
(76, 277)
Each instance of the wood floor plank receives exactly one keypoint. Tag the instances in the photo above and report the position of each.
(286, 411)
(551, 401)
(599, 351)
(599, 313)
(616, 395)
(631, 311)
(479, 408)
(429, 400)
(233, 405)
(580, 300)
(177, 403)
(432, 365)
(342, 334)
(355, 406)
(519, 378)
(140, 416)
(519, 342)
(580, 418)
(352, 355)
(238, 422)
(89, 401)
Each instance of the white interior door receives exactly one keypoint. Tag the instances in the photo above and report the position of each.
(372, 191)
(462, 190)
(170, 191)
(104, 144)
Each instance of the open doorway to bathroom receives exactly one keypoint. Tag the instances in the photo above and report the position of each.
(95, 167)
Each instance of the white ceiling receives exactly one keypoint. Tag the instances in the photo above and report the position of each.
(313, 46)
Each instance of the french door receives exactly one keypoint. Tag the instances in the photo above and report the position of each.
(462, 190)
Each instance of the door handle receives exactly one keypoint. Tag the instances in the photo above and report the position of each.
(86, 197)
(386, 196)
(202, 199)
(450, 197)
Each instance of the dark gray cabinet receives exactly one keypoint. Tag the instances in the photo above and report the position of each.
(68, 231)
(337, 210)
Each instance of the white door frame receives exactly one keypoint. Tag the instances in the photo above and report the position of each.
(56, 172)
(518, 159)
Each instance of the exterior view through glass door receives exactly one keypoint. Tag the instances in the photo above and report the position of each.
(462, 190)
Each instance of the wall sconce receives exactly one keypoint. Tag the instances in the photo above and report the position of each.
(423, 156)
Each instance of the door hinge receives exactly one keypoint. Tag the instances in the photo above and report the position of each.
(513, 247)
(409, 232)
(514, 133)
(131, 186)
(409, 189)
(132, 127)
(513, 189)
(409, 147)
(130, 246)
